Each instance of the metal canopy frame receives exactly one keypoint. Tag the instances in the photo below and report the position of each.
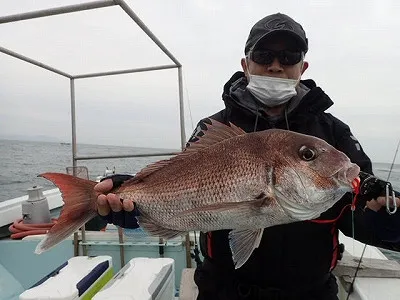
(88, 6)
(72, 78)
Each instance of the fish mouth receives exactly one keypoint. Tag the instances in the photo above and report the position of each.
(348, 174)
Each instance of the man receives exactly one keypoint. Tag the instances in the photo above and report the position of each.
(293, 261)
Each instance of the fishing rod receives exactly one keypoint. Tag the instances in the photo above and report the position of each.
(394, 159)
(388, 210)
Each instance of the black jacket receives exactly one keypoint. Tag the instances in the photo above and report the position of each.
(297, 255)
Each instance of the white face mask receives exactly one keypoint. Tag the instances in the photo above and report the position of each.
(272, 91)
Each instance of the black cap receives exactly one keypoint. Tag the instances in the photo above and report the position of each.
(273, 24)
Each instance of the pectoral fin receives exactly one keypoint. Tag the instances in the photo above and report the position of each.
(242, 243)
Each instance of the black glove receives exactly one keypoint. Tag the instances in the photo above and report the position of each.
(125, 219)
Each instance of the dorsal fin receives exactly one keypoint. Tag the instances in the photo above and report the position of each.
(215, 133)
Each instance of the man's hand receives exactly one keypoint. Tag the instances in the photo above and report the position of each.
(378, 203)
(110, 202)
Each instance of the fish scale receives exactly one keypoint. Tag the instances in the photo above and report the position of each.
(215, 188)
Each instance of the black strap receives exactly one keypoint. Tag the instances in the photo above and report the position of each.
(203, 244)
(117, 179)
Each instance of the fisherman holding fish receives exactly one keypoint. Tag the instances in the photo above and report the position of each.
(268, 180)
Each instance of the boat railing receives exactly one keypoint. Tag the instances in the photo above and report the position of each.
(73, 77)
(91, 157)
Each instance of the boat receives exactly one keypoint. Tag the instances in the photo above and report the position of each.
(25, 275)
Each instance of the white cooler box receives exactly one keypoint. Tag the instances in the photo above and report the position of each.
(79, 278)
(142, 279)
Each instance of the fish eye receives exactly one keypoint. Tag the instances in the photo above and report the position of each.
(307, 154)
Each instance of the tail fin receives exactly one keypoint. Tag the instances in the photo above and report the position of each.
(80, 206)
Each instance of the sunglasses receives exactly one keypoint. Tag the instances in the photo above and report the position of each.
(285, 57)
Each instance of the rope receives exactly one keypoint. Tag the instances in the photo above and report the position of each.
(20, 230)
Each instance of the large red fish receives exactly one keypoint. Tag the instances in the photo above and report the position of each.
(228, 179)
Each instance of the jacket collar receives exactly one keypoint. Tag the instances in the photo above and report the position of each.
(235, 95)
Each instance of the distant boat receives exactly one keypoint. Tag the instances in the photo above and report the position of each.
(65, 144)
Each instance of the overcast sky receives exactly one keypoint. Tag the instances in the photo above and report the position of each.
(354, 57)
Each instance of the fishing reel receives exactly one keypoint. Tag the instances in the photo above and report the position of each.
(372, 187)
